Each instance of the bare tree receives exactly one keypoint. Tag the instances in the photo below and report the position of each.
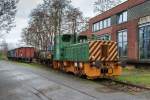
(74, 17)
(7, 15)
(51, 18)
(56, 9)
(3, 48)
(101, 6)
(45, 21)
(38, 32)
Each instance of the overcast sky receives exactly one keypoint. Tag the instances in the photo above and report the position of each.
(26, 6)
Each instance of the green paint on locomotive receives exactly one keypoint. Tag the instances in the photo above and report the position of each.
(66, 49)
(77, 52)
(61, 41)
(83, 50)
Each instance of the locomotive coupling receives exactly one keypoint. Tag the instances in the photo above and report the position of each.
(104, 70)
(97, 64)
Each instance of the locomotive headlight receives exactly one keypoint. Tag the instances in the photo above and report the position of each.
(81, 65)
(75, 64)
(93, 63)
(65, 64)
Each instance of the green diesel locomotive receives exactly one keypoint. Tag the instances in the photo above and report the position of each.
(83, 56)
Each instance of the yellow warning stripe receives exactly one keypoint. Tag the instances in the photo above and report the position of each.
(97, 49)
(92, 47)
(114, 57)
(96, 53)
(112, 53)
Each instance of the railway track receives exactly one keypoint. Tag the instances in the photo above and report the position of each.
(133, 85)
(63, 84)
(112, 83)
(124, 86)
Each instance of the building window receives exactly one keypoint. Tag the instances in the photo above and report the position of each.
(96, 27)
(122, 43)
(105, 23)
(144, 42)
(92, 28)
(122, 17)
(105, 37)
(101, 24)
(109, 22)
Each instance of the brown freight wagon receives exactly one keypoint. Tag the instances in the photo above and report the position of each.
(25, 53)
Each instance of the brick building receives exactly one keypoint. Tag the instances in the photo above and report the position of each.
(129, 25)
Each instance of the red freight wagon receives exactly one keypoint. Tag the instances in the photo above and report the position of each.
(25, 53)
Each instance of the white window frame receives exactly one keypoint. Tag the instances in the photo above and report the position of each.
(122, 41)
(101, 24)
(122, 17)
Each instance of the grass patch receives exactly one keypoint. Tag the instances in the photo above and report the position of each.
(0, 56)
(3, 56)
(136, 76)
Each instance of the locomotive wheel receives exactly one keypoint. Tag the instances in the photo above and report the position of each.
(56, 65)
(78, 72)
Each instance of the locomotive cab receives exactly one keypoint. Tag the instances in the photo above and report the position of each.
(61, 41)
(82, 38)
(66, 39)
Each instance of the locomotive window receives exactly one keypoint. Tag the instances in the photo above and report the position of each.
(82, 38)
(105, 49)
(66, 38)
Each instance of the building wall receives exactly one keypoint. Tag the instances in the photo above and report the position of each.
(112, 12)
(136, 9)
(105, 31)
(139, 10)
(133, 40)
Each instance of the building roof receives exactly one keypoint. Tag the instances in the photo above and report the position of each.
(124, 6)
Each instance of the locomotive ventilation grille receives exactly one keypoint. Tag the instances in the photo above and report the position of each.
(103, 51)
